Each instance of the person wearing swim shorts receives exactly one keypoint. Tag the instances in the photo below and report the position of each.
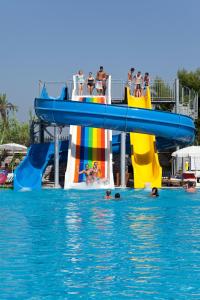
(88, 174)
(138, 80)
(101, 79)
(130, 79)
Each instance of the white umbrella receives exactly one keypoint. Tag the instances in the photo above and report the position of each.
(13, 147)
(193, 151)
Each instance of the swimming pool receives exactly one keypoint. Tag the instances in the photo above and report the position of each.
(57, 244)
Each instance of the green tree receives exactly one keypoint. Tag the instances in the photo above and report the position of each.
(17, 132)
(191, 79)
(5, 108)
(161, 91)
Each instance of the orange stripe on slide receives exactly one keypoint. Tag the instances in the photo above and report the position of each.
(102, 146)
(102, 152)
(78, 154)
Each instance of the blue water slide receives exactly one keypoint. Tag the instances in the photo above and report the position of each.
(28, 174)
(173, 128)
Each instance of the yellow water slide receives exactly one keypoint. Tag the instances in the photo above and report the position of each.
(144, 156)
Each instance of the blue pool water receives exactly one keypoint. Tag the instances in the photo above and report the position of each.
(56, 244)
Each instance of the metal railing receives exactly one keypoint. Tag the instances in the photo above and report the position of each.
(85, 92)
(162, 90)
(54, 88)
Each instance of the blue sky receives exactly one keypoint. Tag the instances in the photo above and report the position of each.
(51, 40)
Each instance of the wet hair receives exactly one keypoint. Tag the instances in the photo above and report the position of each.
(190, 184)
(108, 192)
(155, 191)
(101, 68)
(147, 74)
(117, 195)
(132, 69)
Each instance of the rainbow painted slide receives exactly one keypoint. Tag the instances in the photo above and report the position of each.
(89, 145)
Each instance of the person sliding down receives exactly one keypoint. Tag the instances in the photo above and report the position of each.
(138, 79)
(88, 174)
(96, 171)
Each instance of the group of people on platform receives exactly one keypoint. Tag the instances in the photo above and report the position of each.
(137, 81)
(98, 82)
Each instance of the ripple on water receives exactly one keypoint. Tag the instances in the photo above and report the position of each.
(57, 244)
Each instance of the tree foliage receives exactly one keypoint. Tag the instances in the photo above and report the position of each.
(5, 108)
(191, 79)
(161, 91)
(11, 130)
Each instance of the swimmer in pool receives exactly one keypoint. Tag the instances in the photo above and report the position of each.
(190, 187)
(154, 192)
(117, 196)
(108, 195)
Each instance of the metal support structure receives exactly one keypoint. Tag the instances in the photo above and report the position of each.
(177, 95)
(177, 102)
(41, 132)
(122, 159)
(32, 132)
(56, 157)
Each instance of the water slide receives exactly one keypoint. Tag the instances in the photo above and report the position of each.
(176, 128)
(28, 175)
(169, 127)
(144, 156)
(89, 145)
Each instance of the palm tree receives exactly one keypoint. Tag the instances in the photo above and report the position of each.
(5, 108)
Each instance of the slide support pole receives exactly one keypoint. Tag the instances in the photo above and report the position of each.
(122, 159)
(177, 99)
(56, 157)
(177, 95)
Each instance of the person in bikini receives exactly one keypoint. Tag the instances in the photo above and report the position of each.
(96, 171)
(90, 83)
